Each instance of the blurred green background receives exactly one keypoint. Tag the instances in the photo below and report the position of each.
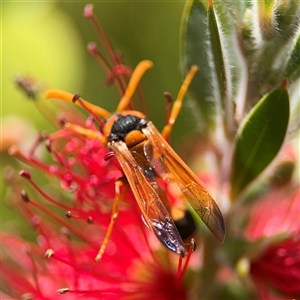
(47, 41)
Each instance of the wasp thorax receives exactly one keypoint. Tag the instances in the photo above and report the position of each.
(127, 128)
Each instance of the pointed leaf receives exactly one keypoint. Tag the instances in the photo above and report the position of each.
(195, 49)
(274, 28)
(259, 139)
(236, 10)
(217, 52)
(221, 68)
(293, 65)
(209, 40)
(266, 17)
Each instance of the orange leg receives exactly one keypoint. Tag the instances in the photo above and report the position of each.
(178, 102)
(59, 94)
(114, 215)
(94, 134)
(118, 184)
(135, 79)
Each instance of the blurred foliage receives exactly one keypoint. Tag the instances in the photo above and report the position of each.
(48, 42)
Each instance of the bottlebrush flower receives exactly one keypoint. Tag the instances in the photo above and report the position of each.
(274, 223)
(72, 216)
(63, 259)
(278, 269)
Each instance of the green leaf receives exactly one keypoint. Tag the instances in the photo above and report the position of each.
(275, 26)
(236, 10)
(217, 53)
(259, 139)
(221, 68)
(266, 16)
(209, 40)
(195, 49)
(293, 65)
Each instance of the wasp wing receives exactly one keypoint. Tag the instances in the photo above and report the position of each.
(194, 191)
(154, 212)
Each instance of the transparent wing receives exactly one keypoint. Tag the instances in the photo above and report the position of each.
(194, 191)
(154, 212)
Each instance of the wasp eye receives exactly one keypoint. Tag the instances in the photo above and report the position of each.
(143, 122)
(113, 137)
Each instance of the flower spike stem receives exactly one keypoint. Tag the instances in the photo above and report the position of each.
(89, 14)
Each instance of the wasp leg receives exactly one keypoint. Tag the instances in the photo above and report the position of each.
(178, 102)
(94, 134)
(135, 79)
(114, 215)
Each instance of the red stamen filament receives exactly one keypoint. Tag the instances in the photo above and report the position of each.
(120, 82)
(181, 270)
(100, 32)
(109, 277)
(36, 144)
(63, 223)
(100, 121)
(14, 151)
(34, 271)
(49, 198)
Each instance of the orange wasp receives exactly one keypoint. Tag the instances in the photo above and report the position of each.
(145, 155)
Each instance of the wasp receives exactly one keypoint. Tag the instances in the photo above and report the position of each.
(144, 156)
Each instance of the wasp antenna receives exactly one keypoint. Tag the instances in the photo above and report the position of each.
(59, 94)
(135, 79)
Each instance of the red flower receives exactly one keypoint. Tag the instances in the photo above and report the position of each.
(275, 223)
(278, 267)
(71, 220)
(63, 259)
